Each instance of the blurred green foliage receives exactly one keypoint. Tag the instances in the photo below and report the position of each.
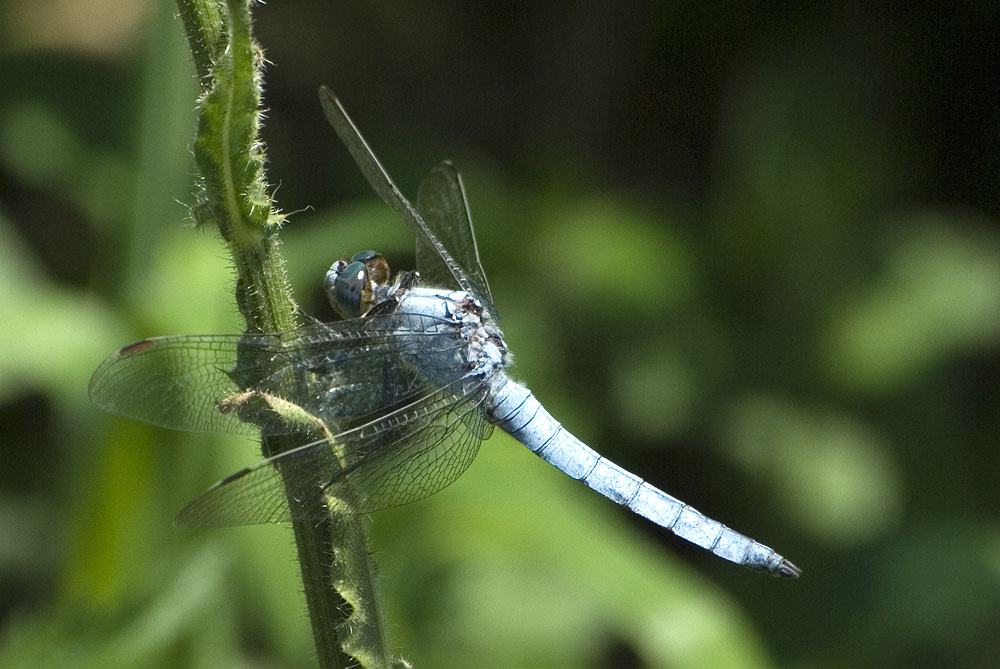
(750, 254)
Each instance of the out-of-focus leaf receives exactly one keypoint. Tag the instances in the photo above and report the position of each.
(939, 296)
(50, 331)
(39, 145)
(172, 603)
(833, 475)
(620, 260)
(656, 389)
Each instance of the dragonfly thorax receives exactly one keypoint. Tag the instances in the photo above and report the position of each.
(422, 311)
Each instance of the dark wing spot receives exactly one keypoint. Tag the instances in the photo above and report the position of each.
(136, 347)
(232, 477)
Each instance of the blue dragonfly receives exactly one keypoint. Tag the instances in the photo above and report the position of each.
(396, 396)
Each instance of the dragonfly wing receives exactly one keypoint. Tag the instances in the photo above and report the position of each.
(413, 454)
(341, 373)
(345, 373)
(397, 458)
(380, 181)
(252, 496)
(442, 203)
(173, 382)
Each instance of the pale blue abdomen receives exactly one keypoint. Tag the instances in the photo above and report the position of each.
(512, 407)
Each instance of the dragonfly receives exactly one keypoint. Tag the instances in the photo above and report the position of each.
(395, 397)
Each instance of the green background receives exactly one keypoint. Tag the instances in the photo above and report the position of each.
(749, 252)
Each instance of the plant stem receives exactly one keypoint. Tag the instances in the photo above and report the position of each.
(337, 573)
(203, 26)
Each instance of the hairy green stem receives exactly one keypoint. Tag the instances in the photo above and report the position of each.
(203, 26)
(337, 572)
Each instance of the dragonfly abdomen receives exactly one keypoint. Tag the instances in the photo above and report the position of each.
(515, 409)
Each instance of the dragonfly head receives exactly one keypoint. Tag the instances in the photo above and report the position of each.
(351, 284)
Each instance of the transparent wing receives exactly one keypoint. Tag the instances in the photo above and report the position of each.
(429, 237)
(442, 203)
(399, 457)
(173, 382)
(342, 373)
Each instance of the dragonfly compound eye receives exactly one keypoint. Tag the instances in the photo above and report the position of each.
(349, 286)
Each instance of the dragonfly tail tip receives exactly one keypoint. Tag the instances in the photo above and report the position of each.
(787, 569)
